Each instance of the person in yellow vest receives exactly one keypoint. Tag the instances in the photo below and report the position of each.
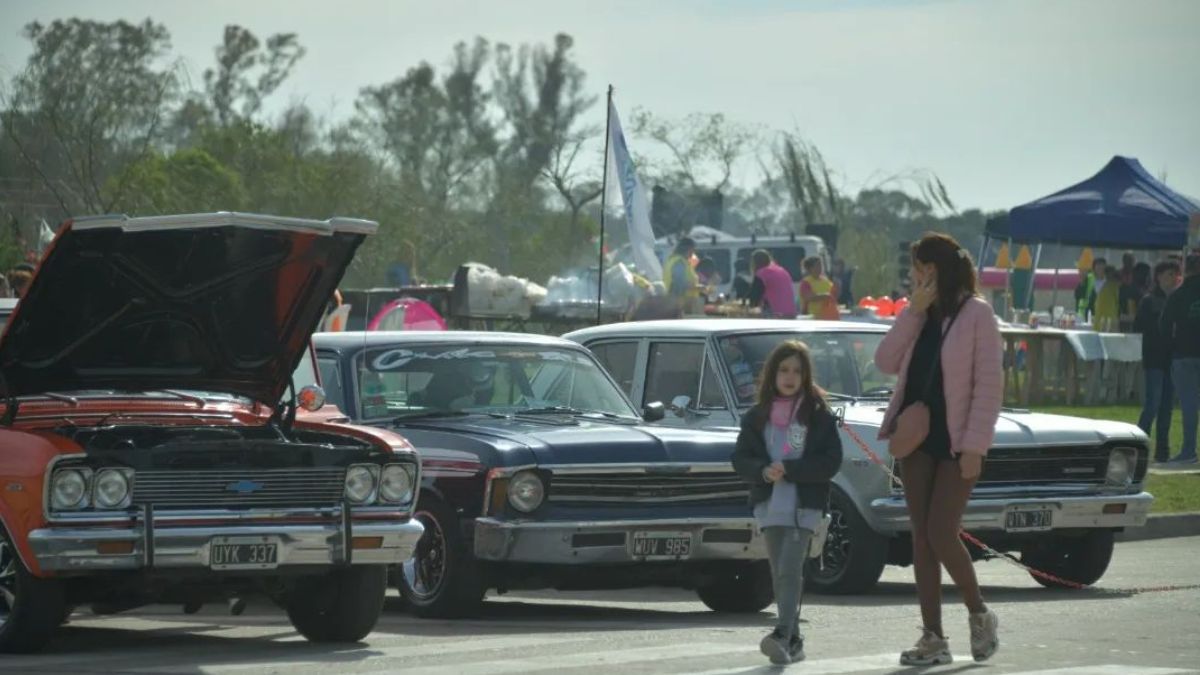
(818, 294)
(1107, 314)
(682, 282)
(1090, 284)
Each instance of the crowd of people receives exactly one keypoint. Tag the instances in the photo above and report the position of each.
(1168, 318)
(691, 282)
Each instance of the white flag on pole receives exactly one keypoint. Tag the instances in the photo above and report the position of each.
(633, 197)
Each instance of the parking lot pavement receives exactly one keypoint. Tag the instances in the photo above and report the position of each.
(1105, 631)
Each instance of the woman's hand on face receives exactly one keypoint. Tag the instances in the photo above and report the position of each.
(971, 465)
(923, 296)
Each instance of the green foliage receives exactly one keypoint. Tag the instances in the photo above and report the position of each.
(483, 159)
(187, 181)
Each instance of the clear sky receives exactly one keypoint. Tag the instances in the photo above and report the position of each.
(1006, 100)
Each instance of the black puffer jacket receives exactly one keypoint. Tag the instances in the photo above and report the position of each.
(811, 473)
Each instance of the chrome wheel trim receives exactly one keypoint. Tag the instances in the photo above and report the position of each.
(8, 580)
(425, 571)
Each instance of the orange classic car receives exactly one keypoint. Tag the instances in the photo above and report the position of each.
(154, 447)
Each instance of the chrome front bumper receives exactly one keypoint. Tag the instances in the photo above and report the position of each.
(585, 543)
(77, 548)
(1129, 510)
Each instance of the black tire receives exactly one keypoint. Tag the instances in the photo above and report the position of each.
(745, 591)
(1082, 560)
(854, 555)
(341, 606)
(443, 579)
(31, 609)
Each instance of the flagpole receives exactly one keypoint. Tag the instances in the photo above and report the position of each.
(603, 204)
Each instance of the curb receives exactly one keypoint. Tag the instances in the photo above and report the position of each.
(1163, 526)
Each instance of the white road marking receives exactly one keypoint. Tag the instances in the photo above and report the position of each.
(561, 662)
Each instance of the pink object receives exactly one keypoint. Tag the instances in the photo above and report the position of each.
(972, 373)
(407, 314)
(1043, 280)
(777, 284)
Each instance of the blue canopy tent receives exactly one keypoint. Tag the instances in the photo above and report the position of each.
(1122, 206)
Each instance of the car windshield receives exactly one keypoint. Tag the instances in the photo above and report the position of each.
(843, 363)
(432, 380)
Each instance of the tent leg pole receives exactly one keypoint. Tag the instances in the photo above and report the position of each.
(982, 251)
(1037, 257)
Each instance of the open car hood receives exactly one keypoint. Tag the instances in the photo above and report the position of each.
(221, 302)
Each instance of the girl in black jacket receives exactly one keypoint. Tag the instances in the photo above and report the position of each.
(788, 451)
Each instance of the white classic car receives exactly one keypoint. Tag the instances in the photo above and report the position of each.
(1054, 488)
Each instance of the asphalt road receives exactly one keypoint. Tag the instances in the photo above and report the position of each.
(1103, 631)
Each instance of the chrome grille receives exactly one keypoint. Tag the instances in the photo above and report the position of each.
(1064, 464)
(232, 488)
(647, 487)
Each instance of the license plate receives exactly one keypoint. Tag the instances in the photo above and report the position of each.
(243, 553)
(663, 545)
(1029, 519)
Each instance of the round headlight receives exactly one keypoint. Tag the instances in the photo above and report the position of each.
(1120, 467)
(396, 484)
(360, 484)
(526, 491)
(69, 489)
(111, 489)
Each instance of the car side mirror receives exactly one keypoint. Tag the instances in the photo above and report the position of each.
(654, 412)
(311, 398)
(680, 405)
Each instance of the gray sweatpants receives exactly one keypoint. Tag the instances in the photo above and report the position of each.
(787, 550)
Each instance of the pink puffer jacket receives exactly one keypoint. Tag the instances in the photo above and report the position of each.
(972, 373)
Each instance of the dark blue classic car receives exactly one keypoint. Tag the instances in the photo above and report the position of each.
(537, 472)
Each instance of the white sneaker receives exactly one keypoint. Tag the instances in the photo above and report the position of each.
(930, 650)
(984, 641)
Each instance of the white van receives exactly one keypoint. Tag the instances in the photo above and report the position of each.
(727, 251)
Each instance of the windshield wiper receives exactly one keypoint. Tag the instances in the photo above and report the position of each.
(878, 392)
(551, 409)
(428, 414)
(62, 397)
(199, 400)
(839, 397)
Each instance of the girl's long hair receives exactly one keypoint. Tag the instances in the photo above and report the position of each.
(813, 396)
(955, 271)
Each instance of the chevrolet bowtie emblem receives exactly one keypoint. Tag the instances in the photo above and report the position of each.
(244, 487)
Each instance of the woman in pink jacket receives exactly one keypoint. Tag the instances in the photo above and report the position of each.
(946, 351)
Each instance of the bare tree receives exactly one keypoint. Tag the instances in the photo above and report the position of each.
(90, 101)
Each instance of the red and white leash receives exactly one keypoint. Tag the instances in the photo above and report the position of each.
(878, 461)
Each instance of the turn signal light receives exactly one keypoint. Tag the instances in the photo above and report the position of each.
(114, 547)
(360, 543)
(1114, 508)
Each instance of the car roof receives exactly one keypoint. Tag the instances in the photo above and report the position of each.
(7, 305)
(706, 327)
(348, 340)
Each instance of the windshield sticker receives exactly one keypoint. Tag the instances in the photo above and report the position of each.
(395, 358)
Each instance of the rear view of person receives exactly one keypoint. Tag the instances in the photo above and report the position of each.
(946, 350)
(788, 451)
(772, 289)
(1181, 324)
(1159, 397)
